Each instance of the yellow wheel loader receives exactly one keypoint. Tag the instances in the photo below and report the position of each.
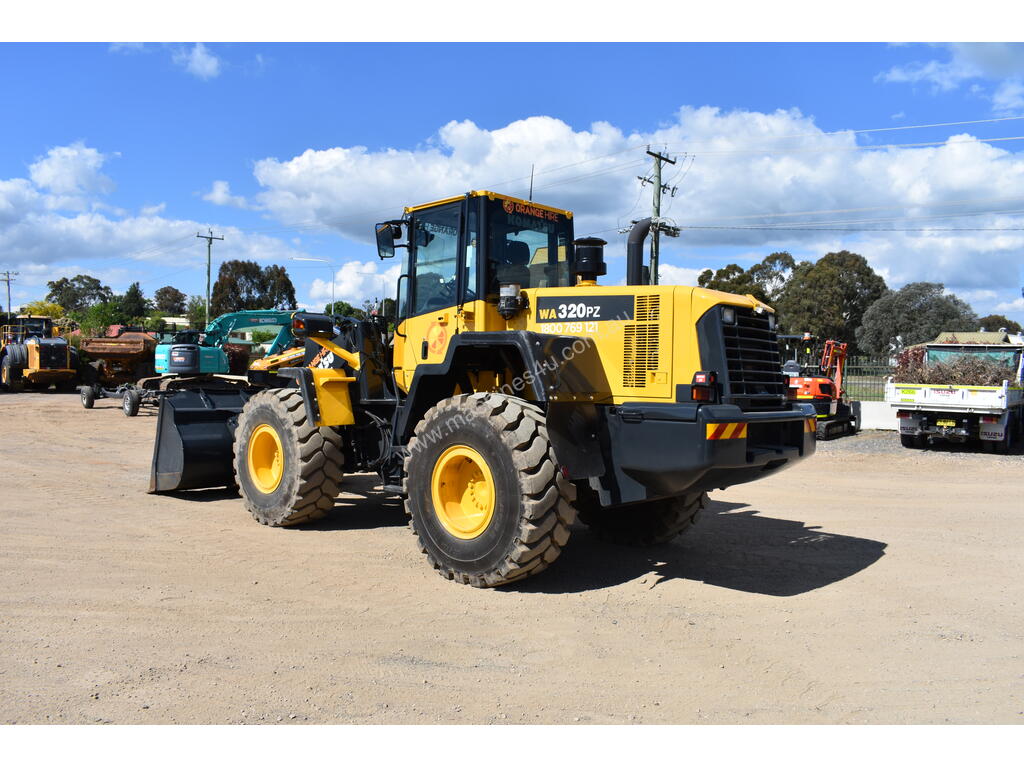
(33, 354)
(515, 394)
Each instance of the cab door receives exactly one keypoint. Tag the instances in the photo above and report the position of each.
(435, 260)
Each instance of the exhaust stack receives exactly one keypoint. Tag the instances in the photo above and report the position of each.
(635, 253)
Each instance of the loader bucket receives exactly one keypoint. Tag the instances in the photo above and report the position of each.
(194, 437)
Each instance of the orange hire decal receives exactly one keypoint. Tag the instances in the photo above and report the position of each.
(729, 431)
(436, 337)
(511, 206)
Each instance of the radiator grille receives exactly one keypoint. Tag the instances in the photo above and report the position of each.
(52, 356)
(752, 356)
(640, 354)
(648, 309)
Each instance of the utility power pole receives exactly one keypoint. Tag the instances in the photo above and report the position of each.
(659, 188)
(209, 254)
(8, 279)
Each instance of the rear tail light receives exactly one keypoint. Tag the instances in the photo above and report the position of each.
(989, 419)
(703, 388)
(902, 414)
(702, 394)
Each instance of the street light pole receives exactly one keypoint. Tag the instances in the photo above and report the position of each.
(330, 266)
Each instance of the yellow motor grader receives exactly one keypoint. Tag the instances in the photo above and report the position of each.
(514, 392)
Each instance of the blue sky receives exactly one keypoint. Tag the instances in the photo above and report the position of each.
(111, 156)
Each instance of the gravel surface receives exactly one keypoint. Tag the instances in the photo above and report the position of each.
(870, 584)
(876, 441)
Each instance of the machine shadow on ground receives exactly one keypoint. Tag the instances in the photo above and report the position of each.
(732, 546)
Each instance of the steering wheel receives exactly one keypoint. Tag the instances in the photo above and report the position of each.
(447, 291)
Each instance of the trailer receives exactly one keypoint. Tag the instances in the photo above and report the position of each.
(958, 412)
(118, 366)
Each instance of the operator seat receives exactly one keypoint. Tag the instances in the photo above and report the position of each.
(512, 263)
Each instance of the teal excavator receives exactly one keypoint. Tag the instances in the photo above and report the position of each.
(195, 354)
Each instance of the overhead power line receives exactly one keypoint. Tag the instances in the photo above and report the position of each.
(854, 148)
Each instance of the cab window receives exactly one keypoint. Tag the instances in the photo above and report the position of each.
(436, 242)
(528, 246)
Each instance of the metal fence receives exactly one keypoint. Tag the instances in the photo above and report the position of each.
(864, 378)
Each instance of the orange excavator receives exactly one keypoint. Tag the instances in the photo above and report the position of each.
(823, 388)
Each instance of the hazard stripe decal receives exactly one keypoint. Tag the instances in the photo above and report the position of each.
(727, 431)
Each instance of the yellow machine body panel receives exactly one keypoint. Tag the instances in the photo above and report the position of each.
(644, 337)
(333, 397)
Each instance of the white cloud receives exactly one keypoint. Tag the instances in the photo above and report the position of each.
(220, 194)
(43, 237)
(198, 61)
(669, 274)
(357, 280)
(70, 173)
(999, 62)
(1017, 305)
(1009, 96)
(751, 169)
(127, 47)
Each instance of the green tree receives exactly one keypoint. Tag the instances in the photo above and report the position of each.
(78, 292)
(280, 293)
(995, 322)
(917, 312)
(97, 318)
(245, 285)
(829, 297)
(43, 308)
(764, 280)
(262, 337)
(195, 311)
(170, 300)
(342, 308)
(134, 303)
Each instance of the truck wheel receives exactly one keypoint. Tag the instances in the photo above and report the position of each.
(88, 396)
(1004, 445)
(484, 493)
(10, 375)
(130, 402)
(643, 525)
(288, 470)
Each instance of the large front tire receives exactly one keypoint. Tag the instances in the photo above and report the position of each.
(484, 493)
(287, 469)
(10, 374)
(646, 524)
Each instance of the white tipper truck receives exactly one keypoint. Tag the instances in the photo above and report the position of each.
(958, 413)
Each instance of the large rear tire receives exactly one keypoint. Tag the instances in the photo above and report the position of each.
(646, 524)
(287, 469)
(484, 493)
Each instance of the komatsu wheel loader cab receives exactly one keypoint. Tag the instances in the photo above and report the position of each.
(516, 391)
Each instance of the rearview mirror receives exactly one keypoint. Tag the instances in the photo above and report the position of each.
(386, 236)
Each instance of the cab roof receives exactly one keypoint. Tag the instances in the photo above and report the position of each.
(490, 196)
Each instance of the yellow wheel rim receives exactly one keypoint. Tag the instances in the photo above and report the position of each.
(462, 490)
(265, 458)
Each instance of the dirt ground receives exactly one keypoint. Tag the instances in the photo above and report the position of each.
(872, 584)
